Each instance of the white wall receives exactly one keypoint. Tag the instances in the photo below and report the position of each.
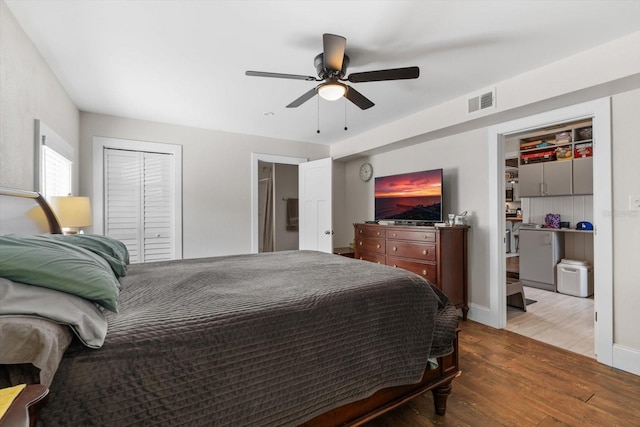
(216, 176)
(463, 159)
(626, 223)
(29, 91)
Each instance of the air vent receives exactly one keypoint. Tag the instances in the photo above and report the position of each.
(482, 101)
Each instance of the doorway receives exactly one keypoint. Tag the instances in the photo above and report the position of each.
(284, 190)
(600, 112)
(277, 207)
(556, 318)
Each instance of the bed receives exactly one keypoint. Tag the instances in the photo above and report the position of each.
(287, 338)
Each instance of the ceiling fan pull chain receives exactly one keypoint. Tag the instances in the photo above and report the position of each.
(318, 131)
(345, 113)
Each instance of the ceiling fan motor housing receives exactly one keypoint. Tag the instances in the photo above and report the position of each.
(323, 73)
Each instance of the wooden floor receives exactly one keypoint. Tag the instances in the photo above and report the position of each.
(511, 380)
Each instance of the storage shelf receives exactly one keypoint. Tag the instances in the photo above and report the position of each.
(548, 147)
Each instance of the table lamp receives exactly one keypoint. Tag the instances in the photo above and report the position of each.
(73, 212)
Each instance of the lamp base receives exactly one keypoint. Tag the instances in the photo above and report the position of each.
(70, 231)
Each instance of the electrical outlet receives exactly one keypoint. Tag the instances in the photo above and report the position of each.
(634, 202)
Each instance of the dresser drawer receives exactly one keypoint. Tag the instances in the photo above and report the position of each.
(370, 231)
(372, 257)
(426, 270)
(423, 236)
(370, 244)
(419, 251)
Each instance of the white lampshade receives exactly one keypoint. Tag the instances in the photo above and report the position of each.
(72, 211)
(332, 91)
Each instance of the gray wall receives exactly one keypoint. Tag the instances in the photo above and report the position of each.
(29, 91)
(216, 176)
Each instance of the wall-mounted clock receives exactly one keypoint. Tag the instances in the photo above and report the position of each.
(366, 172)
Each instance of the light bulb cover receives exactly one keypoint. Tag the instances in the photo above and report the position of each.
(332, 91)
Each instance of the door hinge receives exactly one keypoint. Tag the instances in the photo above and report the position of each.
(596, 315)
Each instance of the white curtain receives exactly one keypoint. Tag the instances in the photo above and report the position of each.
(266, 214)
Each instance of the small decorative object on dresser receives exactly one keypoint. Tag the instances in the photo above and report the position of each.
(439, 254)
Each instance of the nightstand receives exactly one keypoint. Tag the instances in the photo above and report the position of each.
(24, 410)
(346, 251)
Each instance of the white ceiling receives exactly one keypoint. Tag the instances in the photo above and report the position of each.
(183, 62)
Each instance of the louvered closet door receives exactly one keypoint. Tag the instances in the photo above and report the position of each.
(158, 207)
(139, 203)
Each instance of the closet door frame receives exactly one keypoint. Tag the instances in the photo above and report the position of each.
(102, 143)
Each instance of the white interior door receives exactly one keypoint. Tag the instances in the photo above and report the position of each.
(316, 229)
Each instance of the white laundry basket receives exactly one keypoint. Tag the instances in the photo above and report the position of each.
(575, 278)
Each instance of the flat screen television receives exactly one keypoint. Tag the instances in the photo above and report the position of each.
(414, 197)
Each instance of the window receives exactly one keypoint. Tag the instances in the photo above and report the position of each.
(54, 171)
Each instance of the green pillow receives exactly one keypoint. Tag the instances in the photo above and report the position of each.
(54, 264)
(113, 251)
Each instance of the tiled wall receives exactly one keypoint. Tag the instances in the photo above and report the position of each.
(574, 209)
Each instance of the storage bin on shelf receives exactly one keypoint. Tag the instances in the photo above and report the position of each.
(583, 150)
(539, 156)
(563, 137)
(575, 278)
(563, 153)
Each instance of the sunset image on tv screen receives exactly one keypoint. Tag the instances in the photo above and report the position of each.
(411, 196)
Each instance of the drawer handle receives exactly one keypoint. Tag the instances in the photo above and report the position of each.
(360, 243)
(378, 233)
(426, 236)
(394, 235)
(360, 257)
(360, 231)
(395, 266)
(377, 246)
(378, 262)
(424, 252)
(395, 249)
(424, 272)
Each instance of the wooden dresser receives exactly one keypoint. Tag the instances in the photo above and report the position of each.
(439, 254)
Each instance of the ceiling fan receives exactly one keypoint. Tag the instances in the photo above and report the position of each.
(332, 65)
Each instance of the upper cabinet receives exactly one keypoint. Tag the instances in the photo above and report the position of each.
(557, 161)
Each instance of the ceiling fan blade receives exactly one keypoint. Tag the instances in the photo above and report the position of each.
(357, 98)
(333, 48)
(381, 75)
(280, 75)
(304, 98)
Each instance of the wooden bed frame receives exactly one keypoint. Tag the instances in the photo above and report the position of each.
(438, 380)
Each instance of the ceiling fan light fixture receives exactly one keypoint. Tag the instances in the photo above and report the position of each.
(332, 91)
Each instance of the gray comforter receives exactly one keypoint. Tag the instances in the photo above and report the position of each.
(255, 340)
